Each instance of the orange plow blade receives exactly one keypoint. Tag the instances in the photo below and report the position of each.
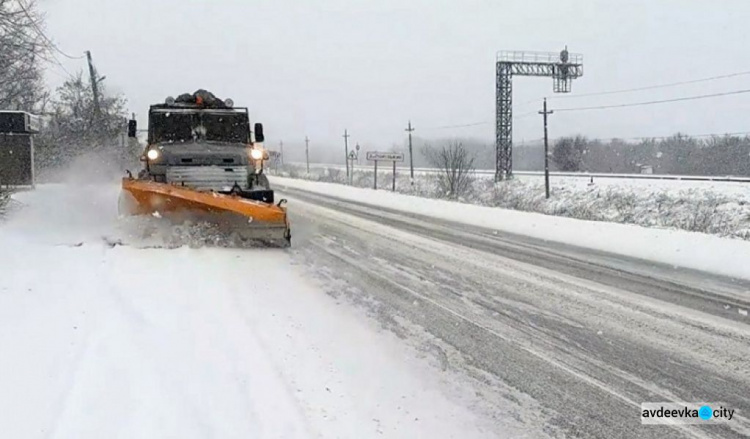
(252, 220)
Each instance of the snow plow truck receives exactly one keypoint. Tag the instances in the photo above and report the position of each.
(203, 163)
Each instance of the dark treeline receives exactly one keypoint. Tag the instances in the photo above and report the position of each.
(678, 154)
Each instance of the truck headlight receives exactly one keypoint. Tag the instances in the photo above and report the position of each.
(152, 154)
(256, 154)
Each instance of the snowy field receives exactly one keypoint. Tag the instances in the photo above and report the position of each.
(101, 340)
(739, 185)
(717, 208)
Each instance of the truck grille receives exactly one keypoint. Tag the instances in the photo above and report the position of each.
(214, 178)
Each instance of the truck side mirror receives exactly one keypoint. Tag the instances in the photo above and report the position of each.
(259, 132)
(132, 128)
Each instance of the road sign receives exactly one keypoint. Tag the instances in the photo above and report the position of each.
(385, 156)
(352, 155)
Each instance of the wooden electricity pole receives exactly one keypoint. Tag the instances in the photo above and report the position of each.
(346, 151)
(409, 129)
(307, 153)
(546, 149)
(94, 88)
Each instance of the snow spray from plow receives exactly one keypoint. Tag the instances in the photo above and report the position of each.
(249, 220)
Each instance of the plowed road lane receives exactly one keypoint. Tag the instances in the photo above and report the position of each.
(560, 337)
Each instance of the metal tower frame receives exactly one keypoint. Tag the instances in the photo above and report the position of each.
(562, 67)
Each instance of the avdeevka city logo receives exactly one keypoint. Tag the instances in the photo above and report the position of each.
(684, 413)
(705, 413)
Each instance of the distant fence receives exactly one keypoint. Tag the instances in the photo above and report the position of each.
(491, 172)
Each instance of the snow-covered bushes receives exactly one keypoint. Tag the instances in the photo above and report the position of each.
(695, 209)
(6, 203)
(4, 199)
(456, 168)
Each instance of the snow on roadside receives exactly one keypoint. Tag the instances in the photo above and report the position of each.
(4, 200)
(673, 247)
(715, 208)
(129, 342)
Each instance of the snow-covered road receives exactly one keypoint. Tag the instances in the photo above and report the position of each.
(118, 341)
(569, 338)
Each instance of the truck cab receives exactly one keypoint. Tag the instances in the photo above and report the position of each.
(202, 142)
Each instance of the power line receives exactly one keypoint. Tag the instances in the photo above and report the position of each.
(523, 115)
(458, 126)
(41, 33)
(651, 87)
(472, 124)
(629, 90)
(635, 104)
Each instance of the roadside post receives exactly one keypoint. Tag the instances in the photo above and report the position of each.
(351, 158)
(394, 177)
(377, 156)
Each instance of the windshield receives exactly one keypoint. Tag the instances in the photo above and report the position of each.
(180, 126)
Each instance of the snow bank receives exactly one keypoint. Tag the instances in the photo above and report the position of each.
(721, 209)
(674, 247)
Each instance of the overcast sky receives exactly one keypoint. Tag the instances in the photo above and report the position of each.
(317, 67)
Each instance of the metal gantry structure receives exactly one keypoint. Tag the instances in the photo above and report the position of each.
(562, 67)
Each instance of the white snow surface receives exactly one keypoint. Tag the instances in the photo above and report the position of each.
(108, 342)
(678, 248)
(634, 181)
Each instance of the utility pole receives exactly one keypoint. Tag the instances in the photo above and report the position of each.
(346, 151)
(281, 151)
(94, 88)
(307, 153)
(409, 129)
(546, 149)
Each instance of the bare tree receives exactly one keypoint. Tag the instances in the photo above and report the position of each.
(23, 48)
(72, 128)
(456, 167)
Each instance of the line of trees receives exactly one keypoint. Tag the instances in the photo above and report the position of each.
(678, 154)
